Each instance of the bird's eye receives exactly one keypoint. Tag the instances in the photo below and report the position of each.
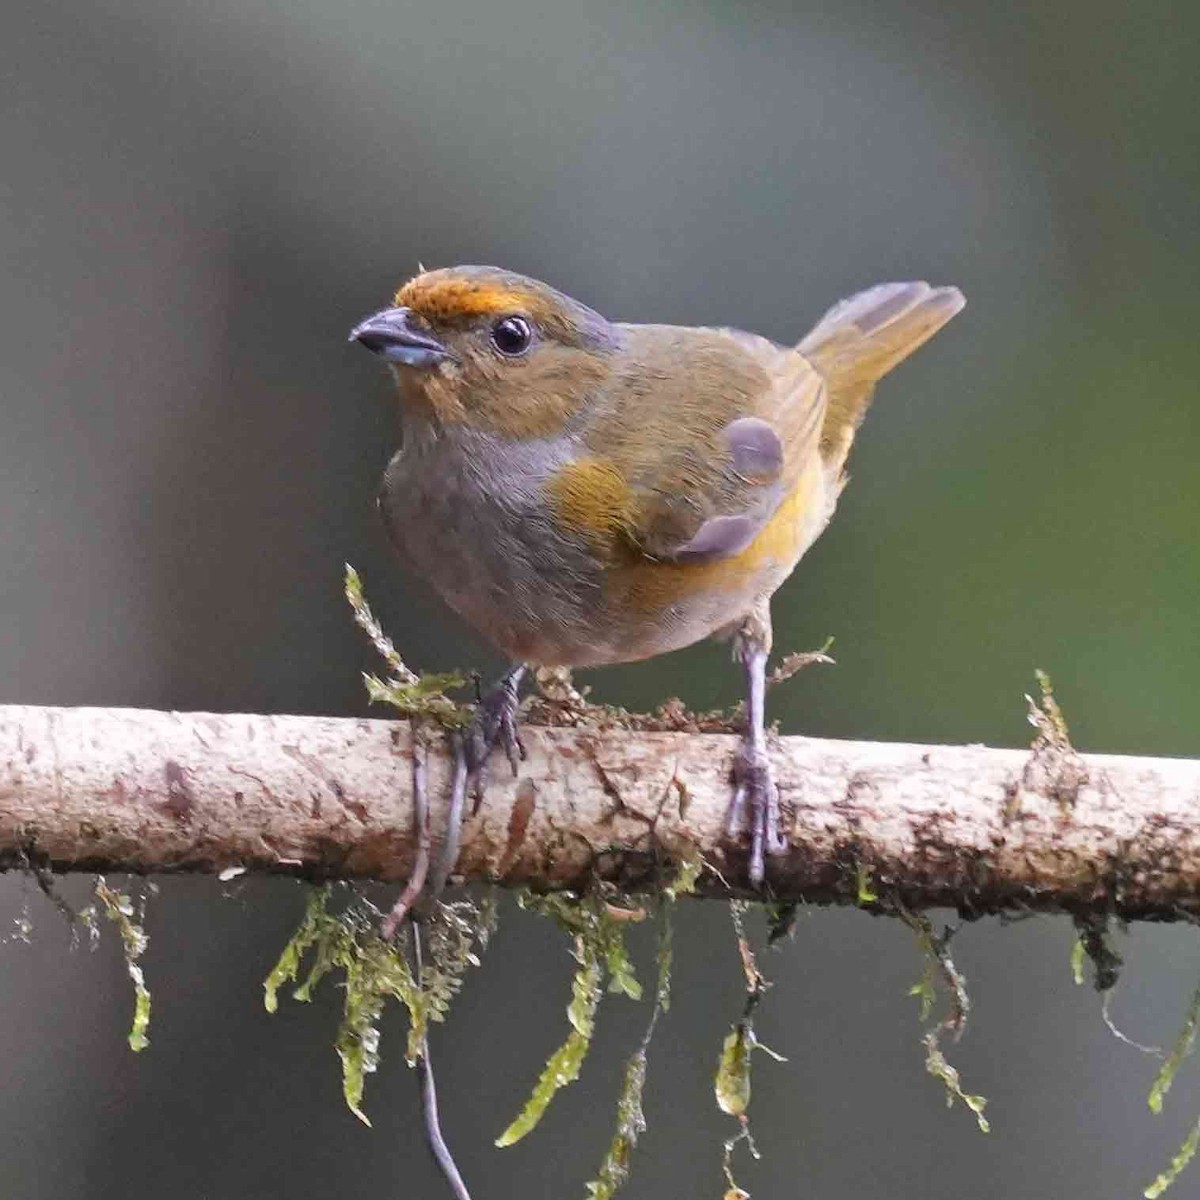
(512, 336)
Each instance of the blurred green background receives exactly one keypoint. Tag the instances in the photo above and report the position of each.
(197, 202)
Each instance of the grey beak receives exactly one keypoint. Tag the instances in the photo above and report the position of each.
(400, 336)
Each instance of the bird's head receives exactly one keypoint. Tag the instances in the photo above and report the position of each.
(488, 348)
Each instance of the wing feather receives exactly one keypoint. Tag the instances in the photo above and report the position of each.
(707, 430)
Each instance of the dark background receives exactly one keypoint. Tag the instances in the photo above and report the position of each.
(198, 202)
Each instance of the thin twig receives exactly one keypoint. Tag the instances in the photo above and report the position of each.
(448, 855)
(429, 1104)
(416, 880)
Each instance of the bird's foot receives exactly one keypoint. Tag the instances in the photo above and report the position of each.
(754, 788)
(494, 724)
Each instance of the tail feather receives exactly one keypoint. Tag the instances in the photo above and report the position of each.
(860, 340)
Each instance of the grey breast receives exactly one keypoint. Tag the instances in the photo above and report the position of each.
(467, 509)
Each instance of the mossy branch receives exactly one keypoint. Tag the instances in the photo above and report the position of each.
(970, 828)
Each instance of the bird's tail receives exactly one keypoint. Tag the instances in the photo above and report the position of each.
(858, 341)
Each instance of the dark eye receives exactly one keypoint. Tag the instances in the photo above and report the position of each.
(512, 335)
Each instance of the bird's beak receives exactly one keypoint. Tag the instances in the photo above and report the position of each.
(402, 337)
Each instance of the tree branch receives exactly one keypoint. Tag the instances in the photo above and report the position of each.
(970, 828)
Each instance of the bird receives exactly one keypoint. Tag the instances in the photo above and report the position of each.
(585, 492)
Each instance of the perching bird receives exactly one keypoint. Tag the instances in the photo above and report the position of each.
(584, 491)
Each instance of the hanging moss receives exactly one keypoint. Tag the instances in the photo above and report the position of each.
(1183, 1156)
(599, 950)
(375, 970)
(731, 1083)
(631, 1121)
(938, 969)
(128, 917)
(1185, 1043)
(563, 1066)
(1093, 944)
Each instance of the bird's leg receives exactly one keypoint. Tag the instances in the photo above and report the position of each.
(753, 779)
(494, 724)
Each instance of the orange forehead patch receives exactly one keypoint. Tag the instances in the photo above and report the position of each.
(438, 297)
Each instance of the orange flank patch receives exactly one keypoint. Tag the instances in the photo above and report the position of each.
(439, 296)
(592, 497)
(649, 586)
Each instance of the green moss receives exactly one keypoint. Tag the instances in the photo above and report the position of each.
(375, 970)
(1185, 1043)
(564, 1064)
(686, 878)
(1078, 958)
(597, 925)
(599, 950)
(631, 1121)
(1046, 714)
(864, 892)
(406, 691)
(731, 1083)
(938, 968)
(128, 917)
(925, 989)
(939, 1068)
(1183, 1156)
(288, 966)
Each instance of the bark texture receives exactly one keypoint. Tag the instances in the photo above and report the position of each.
(971, 828)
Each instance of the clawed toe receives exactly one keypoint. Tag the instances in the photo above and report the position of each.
(754, 787)
(494, 724)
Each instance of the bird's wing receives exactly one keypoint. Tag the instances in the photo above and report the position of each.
(692, 448)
